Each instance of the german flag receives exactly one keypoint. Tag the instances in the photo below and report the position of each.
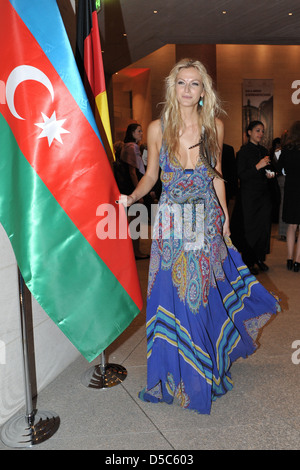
(90, 65)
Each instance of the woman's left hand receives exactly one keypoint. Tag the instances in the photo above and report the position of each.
(226, 228)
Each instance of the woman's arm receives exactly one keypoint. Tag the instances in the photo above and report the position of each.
(246, 167)
(146, 183)
(219, 184)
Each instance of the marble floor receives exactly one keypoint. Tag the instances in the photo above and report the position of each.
(262, 412)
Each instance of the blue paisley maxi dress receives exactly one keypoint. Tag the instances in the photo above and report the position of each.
(204, 308)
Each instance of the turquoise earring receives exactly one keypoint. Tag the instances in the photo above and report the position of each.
(201, 102)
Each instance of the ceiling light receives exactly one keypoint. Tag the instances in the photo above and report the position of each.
(290, 13)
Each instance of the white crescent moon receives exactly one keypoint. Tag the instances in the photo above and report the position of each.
(19, 75)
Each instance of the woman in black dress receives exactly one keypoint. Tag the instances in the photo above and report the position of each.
(289, 160)
(253, 168)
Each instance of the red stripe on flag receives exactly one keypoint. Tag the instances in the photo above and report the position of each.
(93, 58)
(90, 65)
(77, 171)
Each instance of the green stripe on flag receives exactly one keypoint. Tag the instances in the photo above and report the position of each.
(58, 265)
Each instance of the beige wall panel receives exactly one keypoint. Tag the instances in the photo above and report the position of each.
(236, 62)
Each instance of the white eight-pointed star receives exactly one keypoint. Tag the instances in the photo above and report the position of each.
(52, 129)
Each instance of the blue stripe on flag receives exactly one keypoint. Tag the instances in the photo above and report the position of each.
(43, 19)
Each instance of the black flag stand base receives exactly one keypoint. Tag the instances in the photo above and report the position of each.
(104, 375)
(35, 426)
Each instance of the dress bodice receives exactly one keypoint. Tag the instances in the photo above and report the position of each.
(180, 185)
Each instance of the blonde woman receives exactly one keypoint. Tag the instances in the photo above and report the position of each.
(199, 319)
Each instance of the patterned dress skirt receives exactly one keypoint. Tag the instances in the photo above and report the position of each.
(204, 308)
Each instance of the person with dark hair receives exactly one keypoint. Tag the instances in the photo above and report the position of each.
(203, 305)
(131, 156)
(289, 161)
(134, 169)
(254, 170)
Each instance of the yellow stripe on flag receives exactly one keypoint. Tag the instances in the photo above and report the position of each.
(102, 107)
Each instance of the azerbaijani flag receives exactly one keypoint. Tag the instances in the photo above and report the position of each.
(90, 65)
(56, 181)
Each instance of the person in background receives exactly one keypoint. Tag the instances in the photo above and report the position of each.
(131, 155)
(274, 187)
(119, 169)
(289, 161)
(254, 171)
(156, 190)
(134, 169)
(275, 152)
(229, 173)
(199, 319)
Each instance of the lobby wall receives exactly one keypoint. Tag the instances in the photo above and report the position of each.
(146, 89)
(236, 62)
(228, 66)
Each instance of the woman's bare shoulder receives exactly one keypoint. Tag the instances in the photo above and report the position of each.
(219, 124)
(154, 134)
(155, 126)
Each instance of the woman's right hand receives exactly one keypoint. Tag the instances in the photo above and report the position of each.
(265, 161)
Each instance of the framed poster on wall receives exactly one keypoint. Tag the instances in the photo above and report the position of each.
(258, 105)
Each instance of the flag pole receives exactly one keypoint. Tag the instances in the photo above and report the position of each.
(91, 70)
(35, 426)
(104, 375)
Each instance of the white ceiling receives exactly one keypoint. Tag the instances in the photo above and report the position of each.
(191, 22)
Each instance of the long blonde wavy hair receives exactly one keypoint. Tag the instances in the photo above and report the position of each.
(172, 120)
